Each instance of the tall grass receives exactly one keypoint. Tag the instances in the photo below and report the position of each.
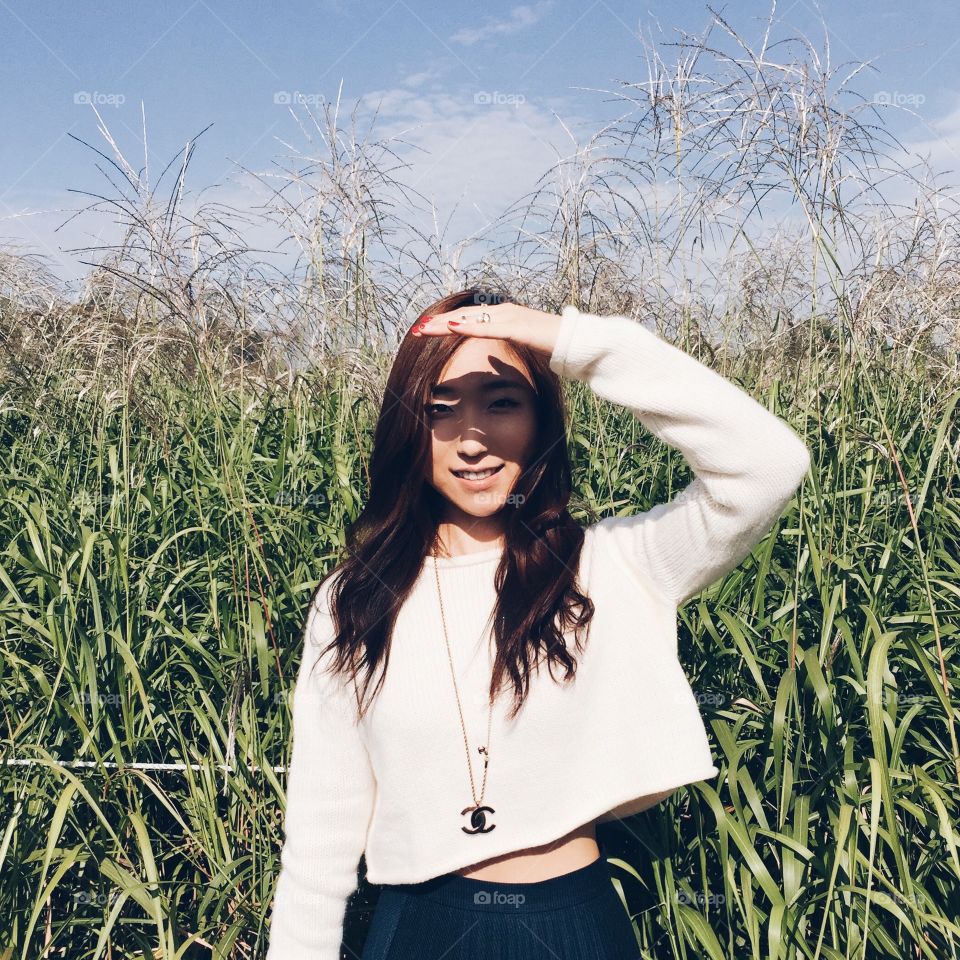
(184, 442)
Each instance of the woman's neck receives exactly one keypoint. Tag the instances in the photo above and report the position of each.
(454, 540)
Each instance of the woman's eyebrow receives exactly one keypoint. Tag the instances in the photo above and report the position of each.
(488, 386)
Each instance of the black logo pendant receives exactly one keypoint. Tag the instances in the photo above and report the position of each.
(478, 819)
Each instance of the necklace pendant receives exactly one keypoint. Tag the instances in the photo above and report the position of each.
(478, 819)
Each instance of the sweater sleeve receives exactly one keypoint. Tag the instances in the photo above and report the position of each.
(747, 462)
(329, 803)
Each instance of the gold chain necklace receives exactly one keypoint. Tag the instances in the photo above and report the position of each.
(478, 812)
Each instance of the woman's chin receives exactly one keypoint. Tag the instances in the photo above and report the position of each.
(478, 510)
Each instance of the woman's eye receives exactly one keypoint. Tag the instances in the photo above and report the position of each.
(433, 409)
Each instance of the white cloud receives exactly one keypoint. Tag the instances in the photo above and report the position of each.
(471, 160)
(40, 223)
(519, 19)
(418, 79)
(936, 141)
(481, 155)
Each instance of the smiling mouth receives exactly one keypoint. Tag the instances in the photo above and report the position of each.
(477, 474)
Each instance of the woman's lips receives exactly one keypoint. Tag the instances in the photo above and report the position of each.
(480, 484)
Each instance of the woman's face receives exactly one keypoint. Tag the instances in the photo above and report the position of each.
(481, 415)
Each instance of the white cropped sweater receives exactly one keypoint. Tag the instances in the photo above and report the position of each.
(393, 786)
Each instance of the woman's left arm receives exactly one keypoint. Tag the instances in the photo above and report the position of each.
(747, 462)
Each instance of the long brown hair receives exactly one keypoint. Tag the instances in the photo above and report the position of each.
(386, 545)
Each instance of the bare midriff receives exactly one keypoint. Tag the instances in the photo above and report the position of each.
(571, 852)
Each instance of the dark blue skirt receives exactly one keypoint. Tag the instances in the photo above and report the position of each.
(575, 916)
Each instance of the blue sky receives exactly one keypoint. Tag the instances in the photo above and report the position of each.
(484, 93)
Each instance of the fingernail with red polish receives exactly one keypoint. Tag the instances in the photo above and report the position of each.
(453, 323)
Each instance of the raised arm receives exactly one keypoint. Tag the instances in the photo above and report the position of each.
(747, 462)
(330, 793)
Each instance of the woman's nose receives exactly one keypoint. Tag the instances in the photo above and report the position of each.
(471, 448)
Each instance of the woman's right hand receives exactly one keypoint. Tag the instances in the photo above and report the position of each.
(508, 321)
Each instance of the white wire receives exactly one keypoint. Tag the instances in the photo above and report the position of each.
(136, 766)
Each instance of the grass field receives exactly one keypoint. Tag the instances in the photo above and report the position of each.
(182, 445)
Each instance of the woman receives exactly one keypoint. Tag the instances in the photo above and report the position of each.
(476, 811)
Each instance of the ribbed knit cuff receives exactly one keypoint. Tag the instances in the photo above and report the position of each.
(570, 317)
